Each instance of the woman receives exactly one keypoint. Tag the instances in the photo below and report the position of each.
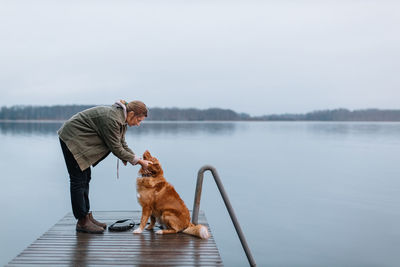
(86, 139)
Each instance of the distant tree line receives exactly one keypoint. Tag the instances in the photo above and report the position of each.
(192, 114)
(338, 115)
(64, 112)
(163, 114)
(41, 112)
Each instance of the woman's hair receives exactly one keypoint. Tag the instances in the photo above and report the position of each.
(138, 107)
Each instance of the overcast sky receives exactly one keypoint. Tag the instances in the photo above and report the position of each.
(258, 57)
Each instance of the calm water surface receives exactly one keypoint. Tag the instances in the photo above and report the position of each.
(305, 193)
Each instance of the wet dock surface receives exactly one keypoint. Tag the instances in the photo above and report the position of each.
(61, 245)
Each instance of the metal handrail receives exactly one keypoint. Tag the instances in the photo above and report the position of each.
(196, 207)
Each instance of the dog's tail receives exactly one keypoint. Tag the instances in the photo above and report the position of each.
(197, 230)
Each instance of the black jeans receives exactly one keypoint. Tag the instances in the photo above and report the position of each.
(79, 184)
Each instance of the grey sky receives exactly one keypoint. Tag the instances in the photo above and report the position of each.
(258, 57)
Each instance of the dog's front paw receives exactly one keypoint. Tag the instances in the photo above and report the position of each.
(138, 231)
(159, 232)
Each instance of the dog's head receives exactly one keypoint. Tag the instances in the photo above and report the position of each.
(154, 169)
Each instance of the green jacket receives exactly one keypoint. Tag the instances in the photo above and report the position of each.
(92, 134)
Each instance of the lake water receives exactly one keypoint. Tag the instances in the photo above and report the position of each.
(305, 193)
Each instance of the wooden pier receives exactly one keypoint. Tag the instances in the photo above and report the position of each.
(61, 245)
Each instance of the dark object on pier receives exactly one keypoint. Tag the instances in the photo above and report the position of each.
(121, 225)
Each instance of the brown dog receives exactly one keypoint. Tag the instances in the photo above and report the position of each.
(161, 203)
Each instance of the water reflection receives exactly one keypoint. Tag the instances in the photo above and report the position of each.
(355, 128)
(29, 128)
(173, 249)
(155, 128)
(162, 128)
(80, 249)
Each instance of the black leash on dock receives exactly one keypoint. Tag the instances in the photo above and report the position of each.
(125, 225)
(121, 225)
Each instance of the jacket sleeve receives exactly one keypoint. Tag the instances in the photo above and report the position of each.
(125, 146)
(109, 131)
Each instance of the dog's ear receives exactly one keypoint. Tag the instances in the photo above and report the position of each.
(156, 168)
(146, 155)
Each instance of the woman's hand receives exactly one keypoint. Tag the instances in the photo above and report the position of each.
(144, 163)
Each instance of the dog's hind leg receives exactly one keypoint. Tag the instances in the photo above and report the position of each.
(172, 222)
(146, 211)
(164, 232)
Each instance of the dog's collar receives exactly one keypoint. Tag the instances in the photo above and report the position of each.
(146, 175)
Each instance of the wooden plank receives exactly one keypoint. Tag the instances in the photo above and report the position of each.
(61, 245)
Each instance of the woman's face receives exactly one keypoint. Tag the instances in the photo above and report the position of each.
(133, 120)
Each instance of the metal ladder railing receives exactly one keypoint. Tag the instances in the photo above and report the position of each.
(196, 207)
